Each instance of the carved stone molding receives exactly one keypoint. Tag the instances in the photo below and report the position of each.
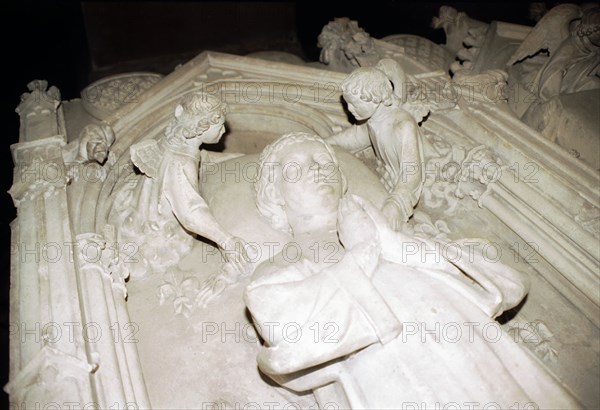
(532, 198)
(107, 95)
(51, 378)
(102, 276)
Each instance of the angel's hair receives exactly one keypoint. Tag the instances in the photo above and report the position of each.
(379, 84)
(194, 114)
(370, 84)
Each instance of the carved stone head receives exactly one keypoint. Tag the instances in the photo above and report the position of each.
(299, 173)
(96, 140)
(370, 84)
(194, 115)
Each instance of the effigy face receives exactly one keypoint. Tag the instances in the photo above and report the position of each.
(248, 233)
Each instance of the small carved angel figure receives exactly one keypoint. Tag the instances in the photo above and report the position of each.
(166, 206)
(92, 145)
(345, 46)
(456, 25)
(95, 142)
(377, 99)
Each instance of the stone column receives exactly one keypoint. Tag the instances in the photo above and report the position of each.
(49, 365)
(119, 379)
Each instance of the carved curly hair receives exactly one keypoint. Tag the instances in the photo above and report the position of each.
(194, 114)
(371, 84)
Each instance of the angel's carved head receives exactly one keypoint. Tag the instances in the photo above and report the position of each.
(365, 89)
(370, 84)
(198, 115)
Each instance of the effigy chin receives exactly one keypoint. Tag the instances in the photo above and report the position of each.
(400, 225)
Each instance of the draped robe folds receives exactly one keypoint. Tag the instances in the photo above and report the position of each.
(417, 333)
(164, 202)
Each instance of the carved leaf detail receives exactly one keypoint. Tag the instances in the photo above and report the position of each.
(181, 289)
(546, 351)
(425, 228)
(536, 334)
(442, 226)
(165, 292)
(183, 306)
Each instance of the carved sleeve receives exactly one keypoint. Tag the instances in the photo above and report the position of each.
(191, 210)
(340, 294)
(492, 287)
(403, 155)
(353, 139)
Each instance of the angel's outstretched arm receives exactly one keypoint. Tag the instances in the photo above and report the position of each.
(353, 139)
(190, 209)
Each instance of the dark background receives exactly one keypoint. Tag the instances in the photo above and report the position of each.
(71, 44)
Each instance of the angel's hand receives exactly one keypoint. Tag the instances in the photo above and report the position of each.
(216, 284)
(239, 255)
(394, 215)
